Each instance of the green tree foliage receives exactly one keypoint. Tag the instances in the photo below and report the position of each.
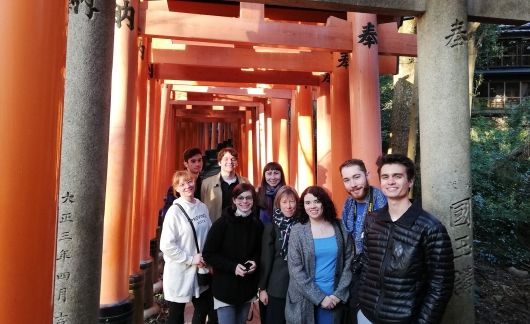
(486, 41)
(500, 165)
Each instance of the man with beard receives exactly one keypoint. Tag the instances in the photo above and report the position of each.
(363, 199)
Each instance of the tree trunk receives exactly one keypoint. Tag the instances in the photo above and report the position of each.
(472, 58)
(403, 101)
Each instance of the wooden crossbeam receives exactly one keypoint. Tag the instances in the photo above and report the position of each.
(251, 92)
(194, 73)
(157, 22)
(245, 58)
(230, 84)
(252, 30)
(215, 103)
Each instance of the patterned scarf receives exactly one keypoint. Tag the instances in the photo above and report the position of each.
(284, 225)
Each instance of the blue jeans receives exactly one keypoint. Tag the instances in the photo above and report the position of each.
(233, 314)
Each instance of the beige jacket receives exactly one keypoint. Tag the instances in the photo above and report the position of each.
(212, 195)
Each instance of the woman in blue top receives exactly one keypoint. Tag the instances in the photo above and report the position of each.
(271, 180)
(319, 261)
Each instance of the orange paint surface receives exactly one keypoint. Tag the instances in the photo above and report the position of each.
(31, 101)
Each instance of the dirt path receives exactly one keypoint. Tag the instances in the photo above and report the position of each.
(502, 297)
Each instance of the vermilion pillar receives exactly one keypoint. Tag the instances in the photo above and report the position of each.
(249, 149)
(148, 194)
(136, 274)
(280, 131)
(156, 199)
(214, 136)
(115, 300)
(256, 147)
(31, 101)
(324, 170)
(262, 138)
(268, 131)
(293, 141)
(364, 93)
(341, 125)
(304, 140)
(205, 136)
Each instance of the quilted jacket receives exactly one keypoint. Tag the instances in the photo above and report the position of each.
(407, 268)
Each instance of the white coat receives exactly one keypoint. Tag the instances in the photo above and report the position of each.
(178, 245)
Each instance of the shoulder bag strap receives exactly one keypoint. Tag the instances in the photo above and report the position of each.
(192, 227)
(371, 200)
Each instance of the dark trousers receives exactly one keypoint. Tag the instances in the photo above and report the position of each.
(262, 312)
(202, 306)
(275, 311)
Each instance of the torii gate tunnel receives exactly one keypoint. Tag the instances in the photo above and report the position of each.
(120, 88)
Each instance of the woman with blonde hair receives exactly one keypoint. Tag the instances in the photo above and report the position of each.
(274, 274)
(184, 232)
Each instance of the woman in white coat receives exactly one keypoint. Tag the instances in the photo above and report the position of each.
(182, 260)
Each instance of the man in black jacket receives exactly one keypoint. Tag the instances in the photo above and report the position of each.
(408, 269)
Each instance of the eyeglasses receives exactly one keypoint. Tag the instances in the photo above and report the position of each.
(241, 198)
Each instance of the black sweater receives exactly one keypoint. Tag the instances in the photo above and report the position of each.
(233, 240)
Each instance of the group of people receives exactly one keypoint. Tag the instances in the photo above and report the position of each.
(227, 244)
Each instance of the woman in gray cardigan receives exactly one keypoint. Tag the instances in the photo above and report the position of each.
(274, 275)
(319, 261)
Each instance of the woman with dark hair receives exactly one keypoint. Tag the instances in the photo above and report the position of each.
(271, 180)
(232, 249)
(319, 260)
(274, 275)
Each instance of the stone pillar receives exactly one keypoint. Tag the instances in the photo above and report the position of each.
(304, 138)
(31, 101)
(115, 300)
(444, 133)
(364, 93)
(323, 138)
(280, 131)
(84, 152)
(341, 125)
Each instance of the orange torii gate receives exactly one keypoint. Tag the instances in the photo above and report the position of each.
(31, 129)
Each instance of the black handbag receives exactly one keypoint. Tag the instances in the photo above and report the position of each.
(203, 279)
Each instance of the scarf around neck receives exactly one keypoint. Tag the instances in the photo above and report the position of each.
(284, 225)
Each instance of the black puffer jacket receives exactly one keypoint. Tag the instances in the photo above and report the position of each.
(408, 269)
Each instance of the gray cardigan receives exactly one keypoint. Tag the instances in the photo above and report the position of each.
(303, 294)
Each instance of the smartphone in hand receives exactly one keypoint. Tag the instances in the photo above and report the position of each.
(247, 265)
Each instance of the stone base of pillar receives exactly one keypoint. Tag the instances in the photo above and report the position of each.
(119, 313)
(147, 267)
(136, 288)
